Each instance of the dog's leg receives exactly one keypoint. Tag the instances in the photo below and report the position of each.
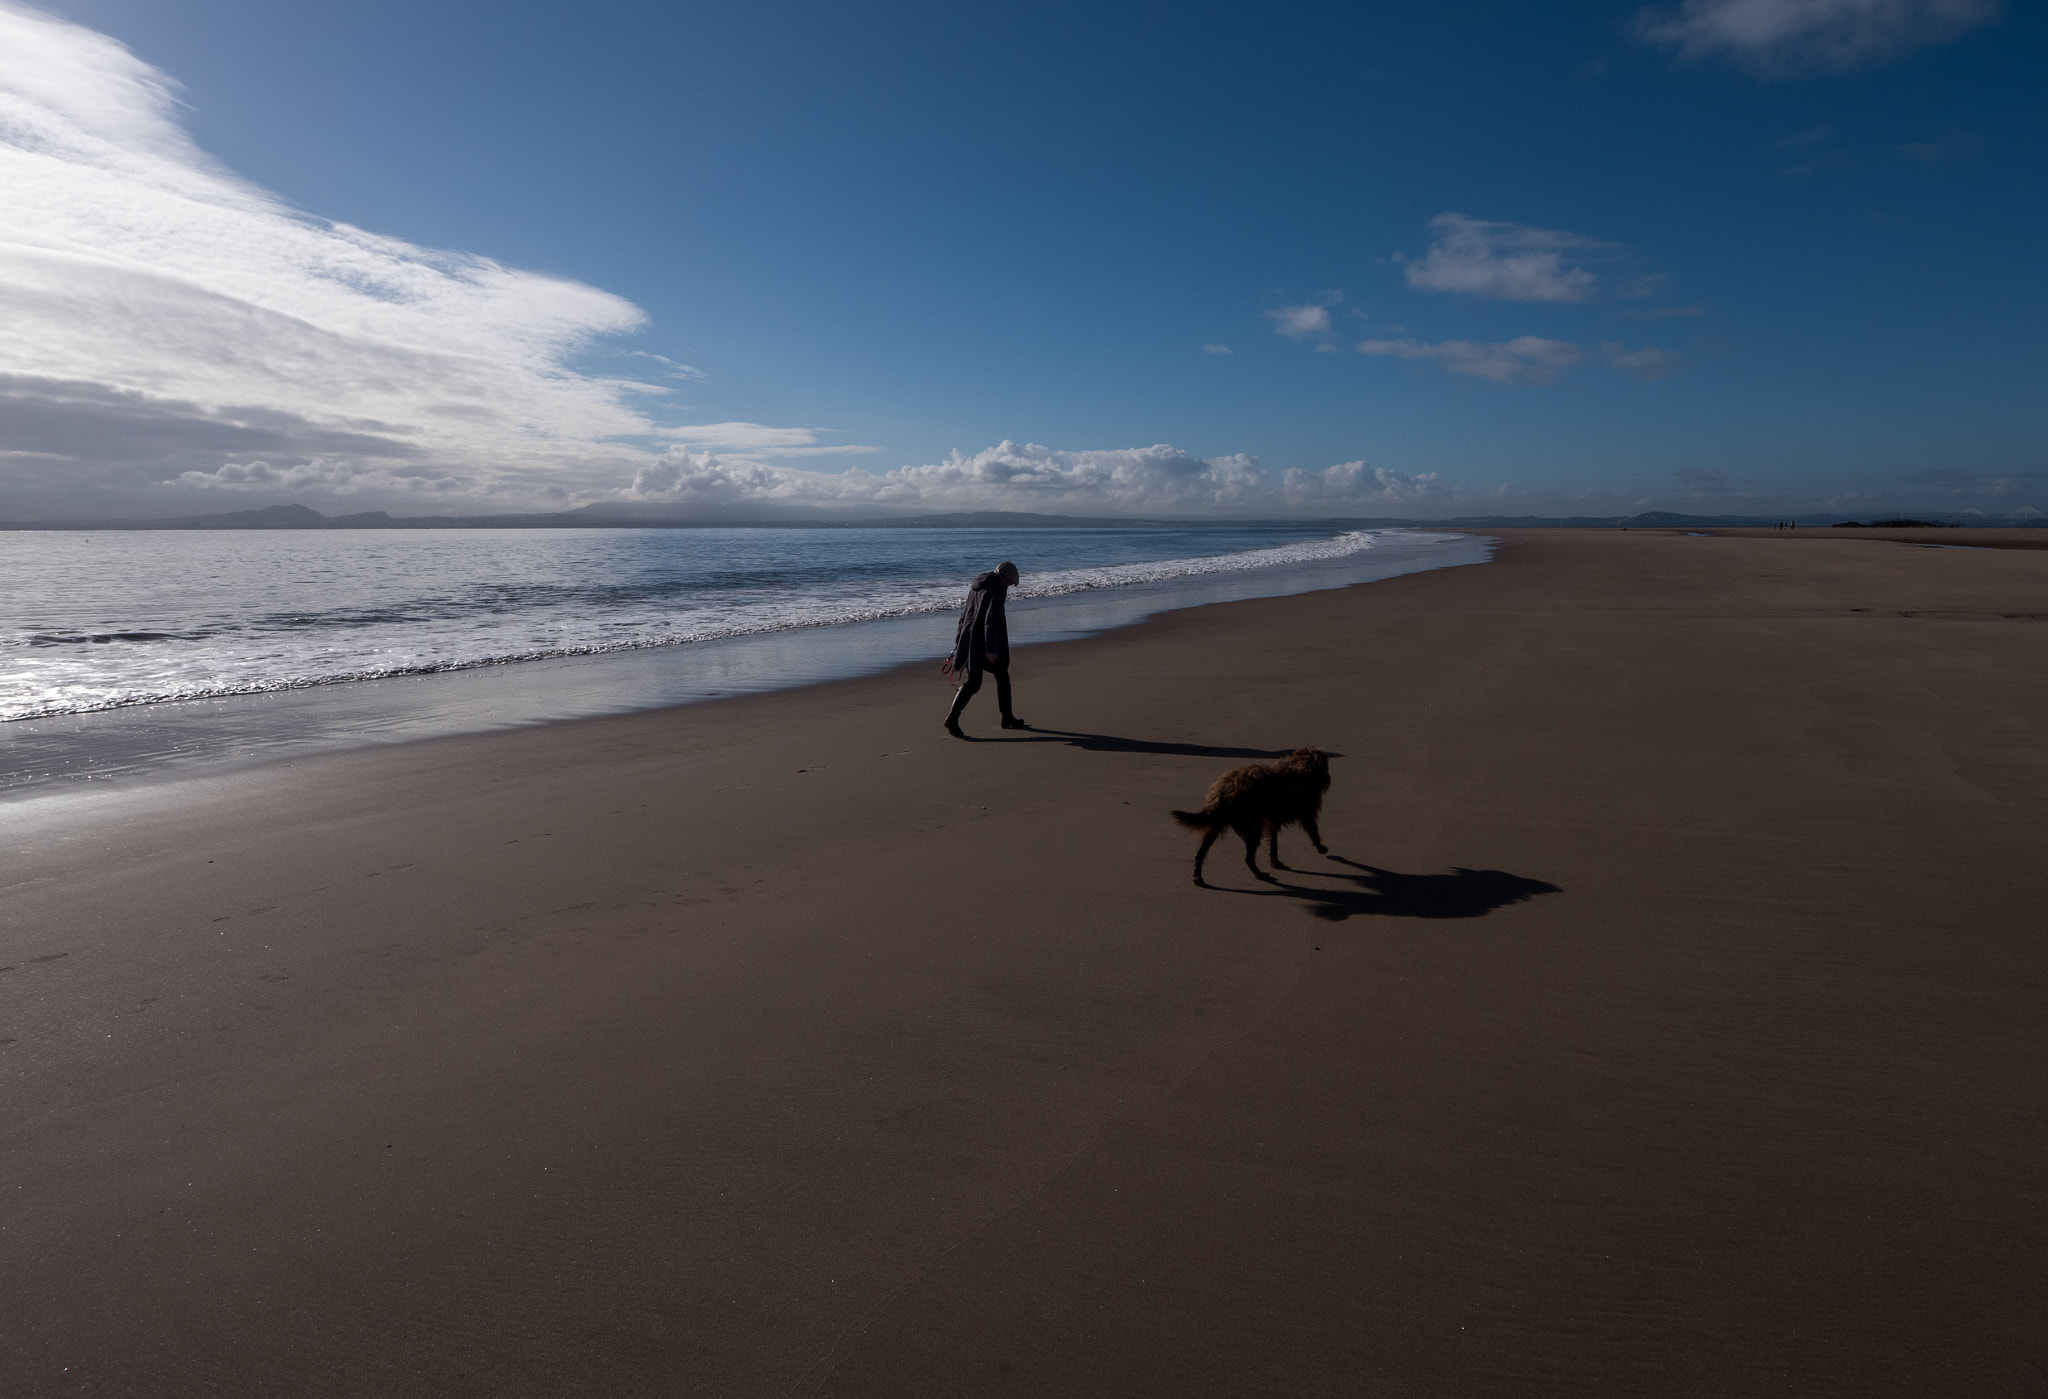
(1308, 823)
(1251, 853)
(1202, 854)
(1273, 845)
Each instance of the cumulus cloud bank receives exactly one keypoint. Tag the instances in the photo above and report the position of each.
(1777, 38)
(1025, 476)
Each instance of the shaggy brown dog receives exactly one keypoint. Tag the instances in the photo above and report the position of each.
(1263, 798)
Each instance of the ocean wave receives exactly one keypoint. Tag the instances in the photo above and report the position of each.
(1059, 583)
(270, 652)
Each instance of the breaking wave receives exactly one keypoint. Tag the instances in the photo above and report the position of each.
(110, 621)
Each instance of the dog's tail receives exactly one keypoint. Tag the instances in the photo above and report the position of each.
(1198, 820)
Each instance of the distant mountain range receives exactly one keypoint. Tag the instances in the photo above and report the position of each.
(633, 516)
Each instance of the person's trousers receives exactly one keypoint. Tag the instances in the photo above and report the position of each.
(973, 685)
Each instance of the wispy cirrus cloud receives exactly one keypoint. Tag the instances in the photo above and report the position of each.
(1953, 146)
(159, 314)
(1647, 363)
(1527, 359)
(672, 369)
(1783, 38)
(1506, 261)
(759, 439)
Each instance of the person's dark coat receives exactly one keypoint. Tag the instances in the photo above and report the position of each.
(982, 641)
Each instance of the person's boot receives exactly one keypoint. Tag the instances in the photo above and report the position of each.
(953, 719)
(1011, 721)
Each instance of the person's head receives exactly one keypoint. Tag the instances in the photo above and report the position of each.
(1007, 571)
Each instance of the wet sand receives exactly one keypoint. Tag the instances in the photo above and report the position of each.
(1672, 1022)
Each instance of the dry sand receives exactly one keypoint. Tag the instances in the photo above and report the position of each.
(782, 1046)
(1936, 536)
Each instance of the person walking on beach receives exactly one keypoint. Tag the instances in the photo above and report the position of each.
(982, 644)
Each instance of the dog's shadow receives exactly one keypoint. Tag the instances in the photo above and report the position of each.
(1382, 893)
(1110, 743)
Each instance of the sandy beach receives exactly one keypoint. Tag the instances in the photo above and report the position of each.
(1668, 1021)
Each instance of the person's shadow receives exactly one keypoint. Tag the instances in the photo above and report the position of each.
(1382, 893)
(1109, 743)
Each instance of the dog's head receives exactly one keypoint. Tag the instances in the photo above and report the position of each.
(1314, 760)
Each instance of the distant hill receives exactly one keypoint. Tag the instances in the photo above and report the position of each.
(632, 515)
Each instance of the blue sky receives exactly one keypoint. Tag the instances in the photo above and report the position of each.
(1754, 255)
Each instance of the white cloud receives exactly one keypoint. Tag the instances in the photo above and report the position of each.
(1301, 322)
(1356, 485)
(1215, 349)
(1950, 147)
(1527, 359)
(1648, 363)
(1776, 38)
(157, 313)
(756, 439)
(1157, 480)
(320, 476)
(1009, 476)
(1506, 261)
(672, 368)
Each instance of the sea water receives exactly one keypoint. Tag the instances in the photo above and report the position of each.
(128, 653)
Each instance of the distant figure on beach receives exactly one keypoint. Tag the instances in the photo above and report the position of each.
(982, 644)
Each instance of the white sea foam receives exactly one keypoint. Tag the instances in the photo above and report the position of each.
(1063, 581)
(146, 618)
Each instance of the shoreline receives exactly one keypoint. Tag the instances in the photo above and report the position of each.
(1667, 1019)
(170, 740)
